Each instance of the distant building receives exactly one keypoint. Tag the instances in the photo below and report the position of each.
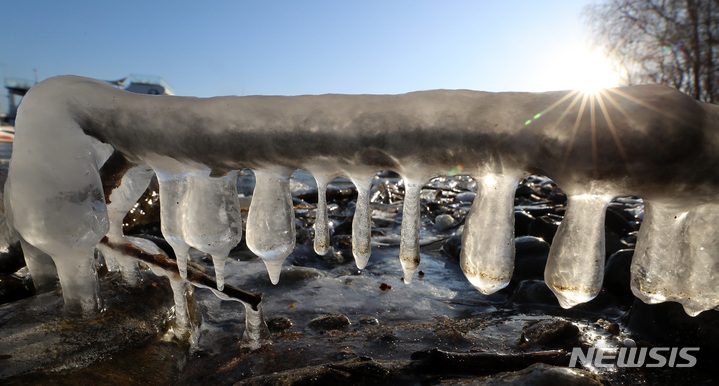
(140, 84)
(16, 89)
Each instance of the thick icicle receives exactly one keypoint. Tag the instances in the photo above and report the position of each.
(78, 280)
(41, 267)
(658, 251)
(575, 266)
(122, 199)
(212, 221)
(322, 233)
(409, 238)
(699, 290)
(362, 221)
(271, 220)
(487, 257)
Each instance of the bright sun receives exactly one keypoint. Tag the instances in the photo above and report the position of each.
(576, 67)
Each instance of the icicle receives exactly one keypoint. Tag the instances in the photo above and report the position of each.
(256, 331)
(362, 222)
(659, 261)
(41, 267)
(271, 220)
(575, 266)
(487, 257)
(212, 222)
(180, 291)
(322, 233)
(122, 199)
(699, 290)
(173, 187)
(78, 280)
(409, 238)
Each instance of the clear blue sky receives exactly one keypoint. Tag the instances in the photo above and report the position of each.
(208, 48)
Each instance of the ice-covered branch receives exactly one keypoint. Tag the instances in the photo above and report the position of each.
(647, 141)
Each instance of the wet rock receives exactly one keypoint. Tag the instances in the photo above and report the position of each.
(361, 370)
(541, 374)
(342, 354)
(444, 222)
(467, 197)
(668, 324)
(531, 257)
(13, 288)
(278, 323)
(617, 276)
(11, 258)
(617, 221)
(452, 247)
(533, 292)
(369, 321)
(526, 192)
(551, 333)
(444, 362)
(299, 275)
(36, 335)
(531, 245)
(329, 322)
(522, 220)
(612, 328)
(544, 227)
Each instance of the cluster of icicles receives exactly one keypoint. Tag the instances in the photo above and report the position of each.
(61, 212)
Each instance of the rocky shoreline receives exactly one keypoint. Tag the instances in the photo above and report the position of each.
(330, 322)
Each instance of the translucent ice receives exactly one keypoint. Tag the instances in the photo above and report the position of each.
(409, 243)
(487, 256)
(271, 220)
(322, 233)
(647, 141)
(213, 223)
(362, 221)
(122, 199)
(575, 267)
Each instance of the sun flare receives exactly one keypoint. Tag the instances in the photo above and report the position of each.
(577, 67)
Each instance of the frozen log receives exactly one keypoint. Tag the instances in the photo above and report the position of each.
(648, 141)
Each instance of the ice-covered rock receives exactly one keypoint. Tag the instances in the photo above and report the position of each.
(647, 141)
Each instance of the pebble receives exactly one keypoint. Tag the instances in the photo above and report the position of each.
(444, 222)
(551, 332)
(278, 323)
(13, 288)
(465, 197)
(329, 322)
(534, 292)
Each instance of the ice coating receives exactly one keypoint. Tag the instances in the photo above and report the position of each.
(647, 141)
(271, 220)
